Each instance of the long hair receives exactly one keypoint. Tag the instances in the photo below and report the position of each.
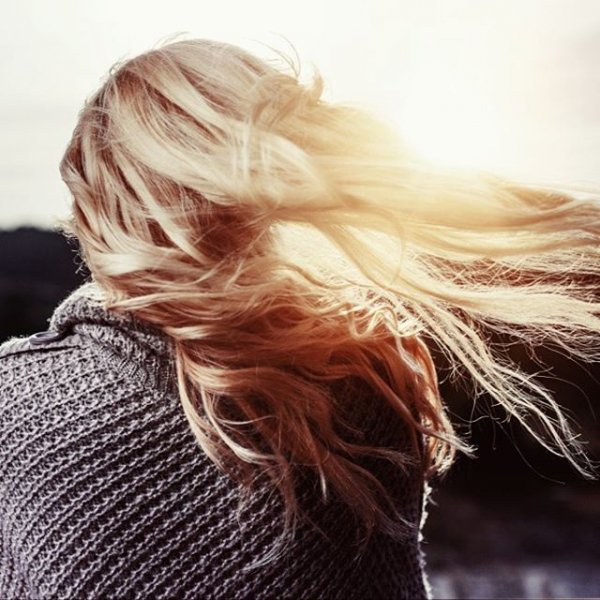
(285, 242)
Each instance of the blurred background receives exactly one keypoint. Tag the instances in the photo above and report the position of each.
(508, 86)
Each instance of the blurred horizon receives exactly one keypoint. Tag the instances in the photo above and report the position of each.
(510, 87)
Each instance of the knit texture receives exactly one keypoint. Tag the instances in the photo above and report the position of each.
(105, 493)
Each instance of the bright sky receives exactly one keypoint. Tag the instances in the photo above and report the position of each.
(506, 85)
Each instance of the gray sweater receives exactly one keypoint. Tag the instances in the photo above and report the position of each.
(105, 493)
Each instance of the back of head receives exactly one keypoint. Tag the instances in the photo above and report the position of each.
(285, 242)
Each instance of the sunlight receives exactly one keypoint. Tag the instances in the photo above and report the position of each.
(452, 113)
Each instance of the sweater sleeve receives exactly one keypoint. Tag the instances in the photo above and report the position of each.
(85, 446)
(23, 378)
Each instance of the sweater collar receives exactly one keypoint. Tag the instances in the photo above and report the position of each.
(84, 312)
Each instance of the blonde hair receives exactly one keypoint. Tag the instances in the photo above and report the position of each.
(285, 242)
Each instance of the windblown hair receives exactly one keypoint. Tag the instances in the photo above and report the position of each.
(285, 242)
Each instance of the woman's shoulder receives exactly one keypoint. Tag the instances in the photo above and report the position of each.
(89, 376)
(29, 365)
(28, 345)
(64, 389)
(51, 364)
(84, 339)
(95, 456)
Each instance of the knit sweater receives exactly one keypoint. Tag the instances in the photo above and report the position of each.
(105, 492)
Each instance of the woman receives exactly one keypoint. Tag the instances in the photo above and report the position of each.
(242, 402)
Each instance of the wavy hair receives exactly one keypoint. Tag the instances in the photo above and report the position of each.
(285, 242)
